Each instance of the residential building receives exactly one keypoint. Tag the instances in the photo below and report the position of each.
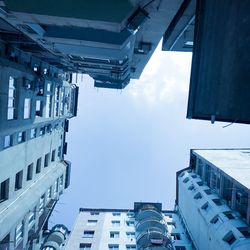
(213, 198)
(36, 101)
(110, 40)
(146, 226)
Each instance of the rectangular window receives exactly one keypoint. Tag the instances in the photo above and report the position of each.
(180, 248)
(56, 106)
(61, 182)
(7, 141)
(48, 106)
(130, 247)
(130, 223)
(12, 99)
(56, 187)
(32, 217)
(26, 110)
(88, 234)
(53, 155)
(19, 233)
(116, 213)
(41, 204)
(229, 238)
(171, 224)
(39, 108)
(175, 236)
(244, 231)
(217, 202)
(19, 180)
(38, 165)
(49, 193)
(21, 137)
(85, 246)
(46, 160)
(114, 234)
(42, 131)
(4, 190)
(92, 222)
(32, 133)
(94, 213)
(59, 153)
(130, 235)
(30, 172)
(115, 223)
(113, 247)
(229, 215)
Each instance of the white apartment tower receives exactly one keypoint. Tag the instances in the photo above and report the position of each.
(36, 102)
(146, 226)
(213, 198)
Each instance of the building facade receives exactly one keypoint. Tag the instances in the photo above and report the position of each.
(215, 191)
(110, 40)
(146, 226)
(36, 101)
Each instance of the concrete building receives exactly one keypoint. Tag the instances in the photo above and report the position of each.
(215, 191)
(217, 33)
(110, 40)
(36, 102)
(146, 226)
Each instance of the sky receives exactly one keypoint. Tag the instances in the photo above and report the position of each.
(126, 146)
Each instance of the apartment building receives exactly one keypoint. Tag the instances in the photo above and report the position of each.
(213, 198)
(36, 101)
(146, 226)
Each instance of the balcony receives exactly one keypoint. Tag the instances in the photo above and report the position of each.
(146, 224)
(149, 213)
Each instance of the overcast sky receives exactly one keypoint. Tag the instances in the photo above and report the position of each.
(126, 146)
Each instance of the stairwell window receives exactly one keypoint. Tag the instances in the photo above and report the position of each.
(26, 111)
(12, 99)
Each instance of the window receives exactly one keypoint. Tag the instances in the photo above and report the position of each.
(114, 234)
(30, 172)
(113, 247)
(172, 224)
(180, 248)
(130, 223)
(244, 231)
(12, 99)
(229, 215)
(53, 155)
(88, 234)
(205, 206)
(41, 204)
(32, 217)
(92, 222)
(217, 202)
(200, 183)
(56, 106)
(186, 180)
(229, 238)
(130, 235)
(7, 141)
(130, 214)
(39, 111)
(32, 133)
(48, 106)
(56, 186)
(129, 247)
(38, 165)
(175, 236)
(19, 180)
(198, 196)
(208, 191)
(116, 213)
(21, 137)
(19, 233)
(49, 193)
(4, 190)
(191, 187)
(85, 246)
(26, 110)
(59, 153)
(49, 87)
(94, 213)
(215, 219)
(61, 182)
(115, 223)
(168, 215)
(46, 160)
(42, 131)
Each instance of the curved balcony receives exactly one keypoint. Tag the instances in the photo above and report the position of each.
(149, 213)
(153, 238)
(146, 224)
